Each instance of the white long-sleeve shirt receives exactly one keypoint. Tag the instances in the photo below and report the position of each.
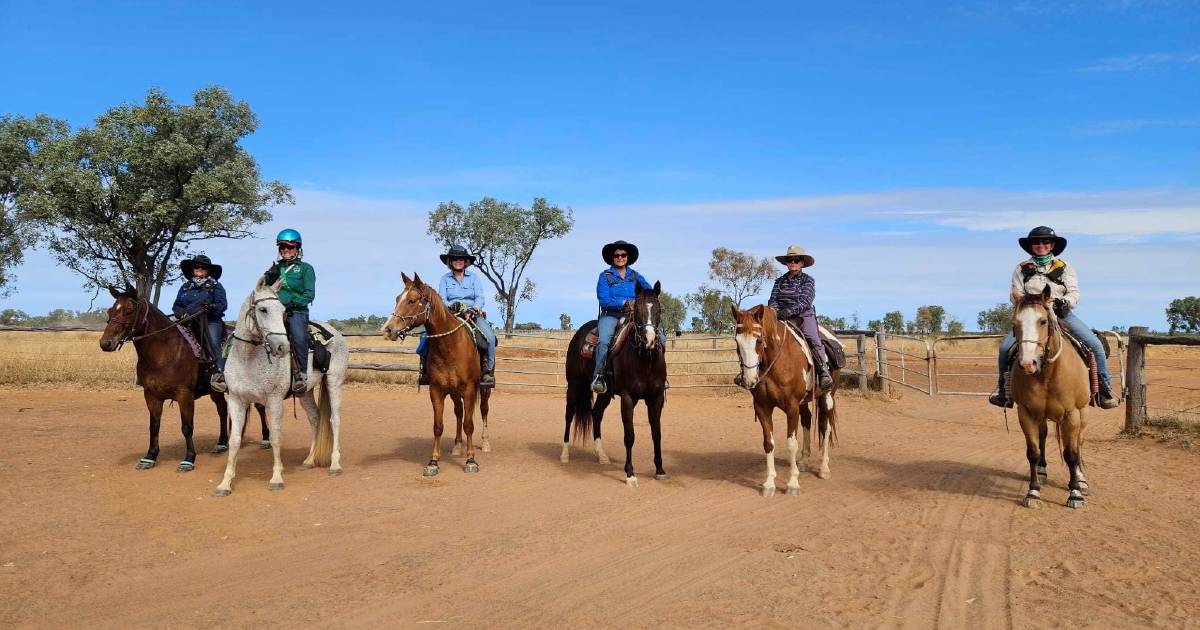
(1067, 287)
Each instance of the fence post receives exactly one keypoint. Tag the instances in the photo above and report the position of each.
(881, 360)
(862, 362)
(714, 341)
(1135, 380)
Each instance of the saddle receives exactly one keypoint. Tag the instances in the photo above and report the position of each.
(1085, 353)
(588, 349)
(834, 350)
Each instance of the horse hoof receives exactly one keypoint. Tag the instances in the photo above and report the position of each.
(824, 474)
(566, 459)
(603, 459)
(793, 492)
(631, 482)
(145, 464)
(1076, 502)
(430, 471)
(222, 492)
(1043, 479)
(306, 465)
(1032, 503)
(486, 447)
(265, 446)
(335, 472)
(185, 467)
(471, 466)
(1084, 491)
(220, 448)
(661, 476)
(275, 486)
(457, 450)
(767, 491)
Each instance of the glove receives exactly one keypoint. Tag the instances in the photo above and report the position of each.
(1061, 305)
(271, 275)
(459, 308)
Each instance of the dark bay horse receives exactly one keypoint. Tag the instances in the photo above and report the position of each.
(1049, 382)
(639, 373)
(778, 371)
(453, 366)
(167, 370)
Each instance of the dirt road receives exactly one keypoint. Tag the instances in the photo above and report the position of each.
(919, 527)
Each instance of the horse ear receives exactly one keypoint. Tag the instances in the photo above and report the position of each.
(758, 312)
(417, 280)
(733, 308)
(405, 278)
(261, 284)
(637, 290)
(657, 287)
(115, 293)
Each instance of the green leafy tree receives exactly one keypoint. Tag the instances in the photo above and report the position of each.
(564, 321)
(527, 326)
(20, 139)
(12, 317)
(120, 202)
(955, 327)
(502, 236)
(996, 320)
(674, 311)
(875, 324)
(739, 275)
(832, 323)
(929, 319)
(712, 307)
(893, 322)
(1183, 315)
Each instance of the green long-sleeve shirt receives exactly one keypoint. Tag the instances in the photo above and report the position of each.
(299, 285)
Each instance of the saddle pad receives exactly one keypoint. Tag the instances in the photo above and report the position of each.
(588, 349)
(319, 333)
(190, 339)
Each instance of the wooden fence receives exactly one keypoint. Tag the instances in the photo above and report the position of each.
(1137, 403)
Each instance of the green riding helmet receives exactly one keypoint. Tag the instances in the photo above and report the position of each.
(289, 236)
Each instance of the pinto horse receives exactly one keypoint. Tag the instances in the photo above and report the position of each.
(778, 370)
(167, 369)
(1051, 384)
(453, 366)
(639, 373)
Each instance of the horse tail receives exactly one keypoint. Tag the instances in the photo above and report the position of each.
(323, 443)
(580, 398)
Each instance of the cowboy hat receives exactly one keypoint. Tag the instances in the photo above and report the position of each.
(457, 251)
(200, 260)
(1041, 232)
(792, 252)
(630, 248)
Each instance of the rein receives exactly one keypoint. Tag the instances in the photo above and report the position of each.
(145, 321)
(252, 316)
(1057, 336)
(763, 374)
(411, 320)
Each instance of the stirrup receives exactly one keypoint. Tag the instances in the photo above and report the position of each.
(1106, 400)
(1000, 400)
(487, 379)
(599, 386)
(216, 382)
(299, 383)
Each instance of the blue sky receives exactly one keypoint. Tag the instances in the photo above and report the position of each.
(906, 145)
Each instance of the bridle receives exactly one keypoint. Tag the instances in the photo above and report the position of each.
(1042, 343)
(410, 321)
(252, 317)
(758, 334)
(142, 306)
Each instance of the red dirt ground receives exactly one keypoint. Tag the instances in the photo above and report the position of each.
(920, 525)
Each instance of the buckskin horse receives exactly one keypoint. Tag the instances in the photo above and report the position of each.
(778, 370)
(259, 370)
(167, 368)
(639, 372)
(453, 366)
(1051, 384)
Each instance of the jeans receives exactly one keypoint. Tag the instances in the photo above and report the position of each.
(214, 337)
(297, 327)
(1081, 331)
(606, 326)
(484, 326)
(808, 326)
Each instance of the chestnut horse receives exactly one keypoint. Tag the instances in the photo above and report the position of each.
(639, 372)
(778, 370)
(167, 369)
(1051, 384)
(453, 366)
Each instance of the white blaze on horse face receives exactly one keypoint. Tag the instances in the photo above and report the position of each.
(649, 324)
(747, 347)
(1027, 355)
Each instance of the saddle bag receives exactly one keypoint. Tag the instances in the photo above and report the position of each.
(318, 343)
(835, 352)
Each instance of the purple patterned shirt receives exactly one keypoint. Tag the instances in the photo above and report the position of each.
(792, 296)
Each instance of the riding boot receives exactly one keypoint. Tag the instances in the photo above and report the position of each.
(486, 377)
(824, 379)
(1000, 396)
(423, 375)
(299, 382)
(598, 384)
(1106, 399)
(217, 382)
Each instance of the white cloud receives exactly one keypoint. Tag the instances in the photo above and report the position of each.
(1142, 61)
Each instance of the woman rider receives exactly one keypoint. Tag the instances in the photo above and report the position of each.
(616, 287)
(792, 298)
(1031, 276)
(201, 290)
(462, 291)
(297, 292)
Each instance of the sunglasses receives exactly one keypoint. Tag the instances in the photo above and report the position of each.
(795, 261)
(455, 259)
(620, 255)
(1042, 241)
(286, 246)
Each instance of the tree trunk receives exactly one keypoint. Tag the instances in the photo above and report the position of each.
(510, 312)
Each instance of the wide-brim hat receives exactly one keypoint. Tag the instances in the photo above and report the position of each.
(796, 250)
(457, 251)
(1041, 232)
(630, 248)
(214, 271)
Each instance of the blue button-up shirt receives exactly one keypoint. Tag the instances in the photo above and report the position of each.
(612, 290)
(469, 290)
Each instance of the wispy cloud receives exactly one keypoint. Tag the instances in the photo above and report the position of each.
(1109, 127)
(1142, 61)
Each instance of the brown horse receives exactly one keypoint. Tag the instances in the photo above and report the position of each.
(453, 366)
(1052, 384)
(639, 373)
(167, 370)
(778, 370)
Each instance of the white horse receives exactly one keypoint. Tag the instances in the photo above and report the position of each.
(258, 370)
